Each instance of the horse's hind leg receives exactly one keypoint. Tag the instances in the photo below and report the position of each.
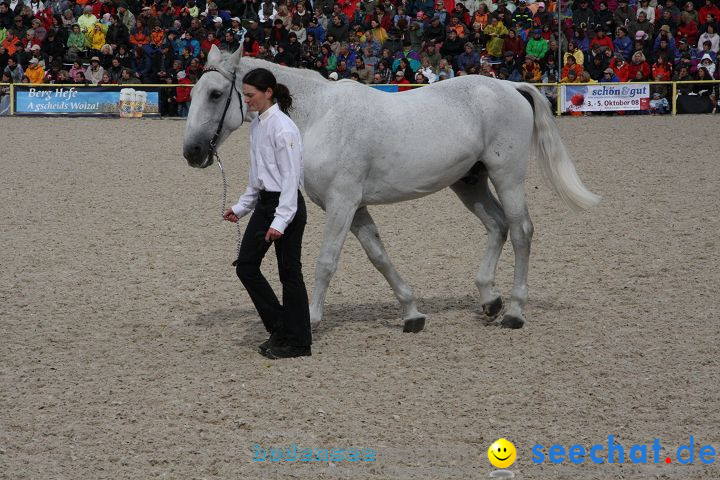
(509, 185)
(364, 228)
(475, 194)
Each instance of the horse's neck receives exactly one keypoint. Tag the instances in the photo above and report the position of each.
(304, 87)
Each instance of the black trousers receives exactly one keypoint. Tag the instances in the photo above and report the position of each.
(291, 319)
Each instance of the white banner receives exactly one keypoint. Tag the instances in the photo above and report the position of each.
(606, 97)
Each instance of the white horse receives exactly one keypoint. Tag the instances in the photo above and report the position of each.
(362, 147)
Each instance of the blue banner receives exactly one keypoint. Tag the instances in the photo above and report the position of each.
(115, 100)
(386, 88)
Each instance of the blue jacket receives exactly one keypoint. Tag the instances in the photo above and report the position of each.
(319, 33)
(625, 46)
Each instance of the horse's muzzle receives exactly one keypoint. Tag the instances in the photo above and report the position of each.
(197, 156)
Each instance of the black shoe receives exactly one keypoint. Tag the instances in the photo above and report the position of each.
(274, 340)
(286, 351)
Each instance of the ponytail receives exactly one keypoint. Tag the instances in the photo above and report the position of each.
(263, 79)
(282, 96)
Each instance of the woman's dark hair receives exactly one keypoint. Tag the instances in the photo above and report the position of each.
(263, 79)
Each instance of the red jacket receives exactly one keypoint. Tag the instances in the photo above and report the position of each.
(182, 94)
(688, 30)
(623, 73)
(634, 68)
(206, 45)
(703, 12)
(404, 81)
(604, 42)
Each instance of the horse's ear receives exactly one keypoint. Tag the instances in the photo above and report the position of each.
(234, 59)
(214, 56)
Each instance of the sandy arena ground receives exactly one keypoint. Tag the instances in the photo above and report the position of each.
(128, 345)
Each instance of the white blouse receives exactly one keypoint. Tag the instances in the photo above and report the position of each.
(276, 165)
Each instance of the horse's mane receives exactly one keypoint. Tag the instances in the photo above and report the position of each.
(259, 63)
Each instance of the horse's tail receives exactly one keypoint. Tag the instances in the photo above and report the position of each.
(555, 163)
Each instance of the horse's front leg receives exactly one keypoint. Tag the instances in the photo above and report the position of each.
(339, 212)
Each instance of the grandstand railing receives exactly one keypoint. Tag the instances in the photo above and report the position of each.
(9, 88)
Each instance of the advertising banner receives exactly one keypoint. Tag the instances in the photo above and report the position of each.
(606, 97)
(81, 101)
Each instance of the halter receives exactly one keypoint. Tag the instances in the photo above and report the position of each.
(232, 77)
(213, 144)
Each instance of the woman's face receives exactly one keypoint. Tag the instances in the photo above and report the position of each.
(257, 100)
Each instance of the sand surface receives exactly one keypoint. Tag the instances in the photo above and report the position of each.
(128, 346)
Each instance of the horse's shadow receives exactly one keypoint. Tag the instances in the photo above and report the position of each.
(387, 314)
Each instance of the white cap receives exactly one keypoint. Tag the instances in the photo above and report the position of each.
(181, 75)
(217, 19)
(333, 76)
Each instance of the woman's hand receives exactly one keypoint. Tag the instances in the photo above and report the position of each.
(230, 216)
(272, 235)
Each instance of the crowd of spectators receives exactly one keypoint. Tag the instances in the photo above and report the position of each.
(400, 42)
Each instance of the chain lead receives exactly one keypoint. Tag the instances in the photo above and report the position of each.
(224, 203)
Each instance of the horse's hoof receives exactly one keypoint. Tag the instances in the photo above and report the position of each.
(414, 325)
(510, 321)
(493, 308)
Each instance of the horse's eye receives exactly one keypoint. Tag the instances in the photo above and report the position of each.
(215, 94)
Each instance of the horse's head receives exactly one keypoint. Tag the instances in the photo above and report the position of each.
(218, 85)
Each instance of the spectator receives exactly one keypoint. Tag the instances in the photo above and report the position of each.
(641, 24)
(363, 72)
(79, 79)
(445, 70)
(623, 15)
(659, 105)
(35, 72)
(537, 47)
(707, 63)
(638, 66)
(596, 67)
(96, 38)
(602, 40)
(513, 69)
(117, 33)
(687, 29)
(661, 68)
(106, 79)
(77, 43)
(583, 16)
(609, 76)
(495, 31)
(604, 18)
(647, 10)
(571, 77)
(453, 47)
(125, 16)
(427, 71)
(571, 66)
(514, 44)
(87, 20)
(182, 94)
(338, 29)
(709, 8)
(469, 58)
(577, 54)
(709, 36)
(622, 43)
(400, 80)
(94, 72)
(531, 70)
(128, 78)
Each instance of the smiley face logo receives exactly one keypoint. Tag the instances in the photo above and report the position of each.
(502, 453)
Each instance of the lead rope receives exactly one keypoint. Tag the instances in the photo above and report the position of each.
(223, 207)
